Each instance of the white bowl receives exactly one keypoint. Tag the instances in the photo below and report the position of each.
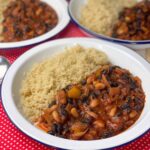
(74, 10)
(118, 55)
(60, 6)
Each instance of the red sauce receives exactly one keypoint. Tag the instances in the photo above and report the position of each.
(104, 104)
(26, 19)
(134, 22)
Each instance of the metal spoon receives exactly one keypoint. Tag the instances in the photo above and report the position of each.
(4, 65)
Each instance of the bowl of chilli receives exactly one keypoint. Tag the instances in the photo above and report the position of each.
(123, 23)
(24, 23)
(71, 102)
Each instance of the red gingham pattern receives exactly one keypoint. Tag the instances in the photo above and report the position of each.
(12, 138)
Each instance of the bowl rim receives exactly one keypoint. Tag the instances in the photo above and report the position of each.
(38, 135)
(48, 35)
(101, 36)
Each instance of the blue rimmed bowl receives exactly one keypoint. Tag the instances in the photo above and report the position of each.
(74, 10)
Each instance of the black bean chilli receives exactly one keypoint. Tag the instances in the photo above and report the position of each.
(26, 19)
(104, 104)
(134, 23)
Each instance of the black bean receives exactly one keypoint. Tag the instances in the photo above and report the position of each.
(138, 24)
(51, 132)
(70, 101)
(108, 79)
(99, 78)
(83, 82)
(138, 107)
(137, 100)
(138, 104)
(140, 16)
(125, 77)
(114, 84)
(115, 66)
(111, 68)
(132, 84)
(68, 87)
(5, 29)
(97, 92)
(104, 71)
(93, 95)
(48, 26)
(54, 128)
(107, 134)
(42, 4)
(65, 128)
(87, 120)
(52, 103)
(122, 97)
(33, 1)
(57, 128)
(137, 10)
(119, 113)
(127, 110)
(128, 99)
(63, 106)
(85, 99)
(18, 20)
(120, 127)
(75, 103)
(130, 26)
(27, 29)
(63, 111)
(11, 16)
(15, 25)
(125, 106)
(114, 34)
(121, 15)
(62, 136)
(18, 33)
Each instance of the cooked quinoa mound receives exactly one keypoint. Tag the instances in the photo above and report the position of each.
(44, 79)
(100, 15)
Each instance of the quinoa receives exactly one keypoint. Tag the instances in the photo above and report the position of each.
(43, 80)
(100, 15)
(3, 6)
